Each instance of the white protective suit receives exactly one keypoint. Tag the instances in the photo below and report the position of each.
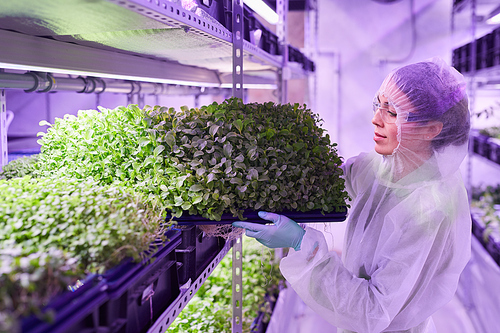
(408, 233)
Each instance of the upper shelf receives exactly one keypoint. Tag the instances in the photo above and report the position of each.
(155, 40)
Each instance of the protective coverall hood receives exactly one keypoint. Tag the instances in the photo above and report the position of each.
(426, 96)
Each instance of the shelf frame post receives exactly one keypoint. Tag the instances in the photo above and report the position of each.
(3, 130)
(284, 74)
(237, 261)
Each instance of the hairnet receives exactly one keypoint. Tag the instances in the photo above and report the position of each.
(423, 94)
(408, 231)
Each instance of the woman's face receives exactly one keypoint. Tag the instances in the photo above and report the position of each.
(386, 133)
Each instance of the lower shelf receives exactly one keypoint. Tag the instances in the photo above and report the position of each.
(487, 240)
(74, 311)
(136, 297)
(187, 292)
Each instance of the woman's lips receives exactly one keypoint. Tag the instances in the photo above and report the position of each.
(378, 137)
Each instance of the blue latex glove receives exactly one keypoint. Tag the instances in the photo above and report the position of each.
(284, 232)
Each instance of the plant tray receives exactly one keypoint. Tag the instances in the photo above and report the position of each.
(313, 216)
(195, 252)
(140, 292)
(494, 150)
(481, 145)
(74, 310)
(491, 244)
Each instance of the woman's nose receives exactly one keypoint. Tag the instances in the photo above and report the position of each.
(377, 119)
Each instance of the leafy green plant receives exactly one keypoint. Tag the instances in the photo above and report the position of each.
(238, 156)
(56, 230)
(210, 310)
(29, 281)
(96, 225)
(20, 167)
(99, 189)
(217, 159)
(492, 132)
(111, 146)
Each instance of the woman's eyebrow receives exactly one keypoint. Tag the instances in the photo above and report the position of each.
(382, 103)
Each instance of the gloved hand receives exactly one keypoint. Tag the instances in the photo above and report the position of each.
(283, 233)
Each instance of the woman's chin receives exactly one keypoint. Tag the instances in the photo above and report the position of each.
(383, 150)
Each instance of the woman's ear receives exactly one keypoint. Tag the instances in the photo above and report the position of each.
(433, 128)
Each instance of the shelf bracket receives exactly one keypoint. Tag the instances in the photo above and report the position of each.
(237, 263)
(3, 130)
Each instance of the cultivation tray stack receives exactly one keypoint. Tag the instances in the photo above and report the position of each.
(487, 53)
(485, 208)
(486, 144)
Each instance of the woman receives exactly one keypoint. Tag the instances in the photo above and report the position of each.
(408, 233)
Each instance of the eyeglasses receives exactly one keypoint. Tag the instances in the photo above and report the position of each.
(388, 116)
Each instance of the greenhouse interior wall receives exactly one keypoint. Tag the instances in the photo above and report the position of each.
(358, 43)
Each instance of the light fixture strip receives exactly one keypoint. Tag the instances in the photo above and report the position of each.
(261, 8)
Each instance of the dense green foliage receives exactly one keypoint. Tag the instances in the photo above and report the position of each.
(238, 156)
(29, 281)
(90, 227)
(217, 159)
(111, 146)
(210, 310)
(20, 167)
(492, 132)
(484, 207)
(93, 223)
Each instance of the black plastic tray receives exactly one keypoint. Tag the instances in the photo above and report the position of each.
(74, 310)
(312, 216)
(140, 292)
(491, 246)
(195, 252)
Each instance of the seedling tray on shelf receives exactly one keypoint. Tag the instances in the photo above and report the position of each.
(313, 216)
(195, 252)
(491, 244)
(494, 150)
(481, 145)
(140, 292)
(74, 311)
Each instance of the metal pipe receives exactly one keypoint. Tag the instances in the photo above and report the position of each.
(45, 82)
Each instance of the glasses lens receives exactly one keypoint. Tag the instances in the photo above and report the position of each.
(388, 116)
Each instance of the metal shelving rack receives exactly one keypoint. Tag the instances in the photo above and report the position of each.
(155, 41)
(151, 46)
(479, 76)
(468, 26)
(468, 23)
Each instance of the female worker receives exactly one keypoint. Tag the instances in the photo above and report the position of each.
(408, 233)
